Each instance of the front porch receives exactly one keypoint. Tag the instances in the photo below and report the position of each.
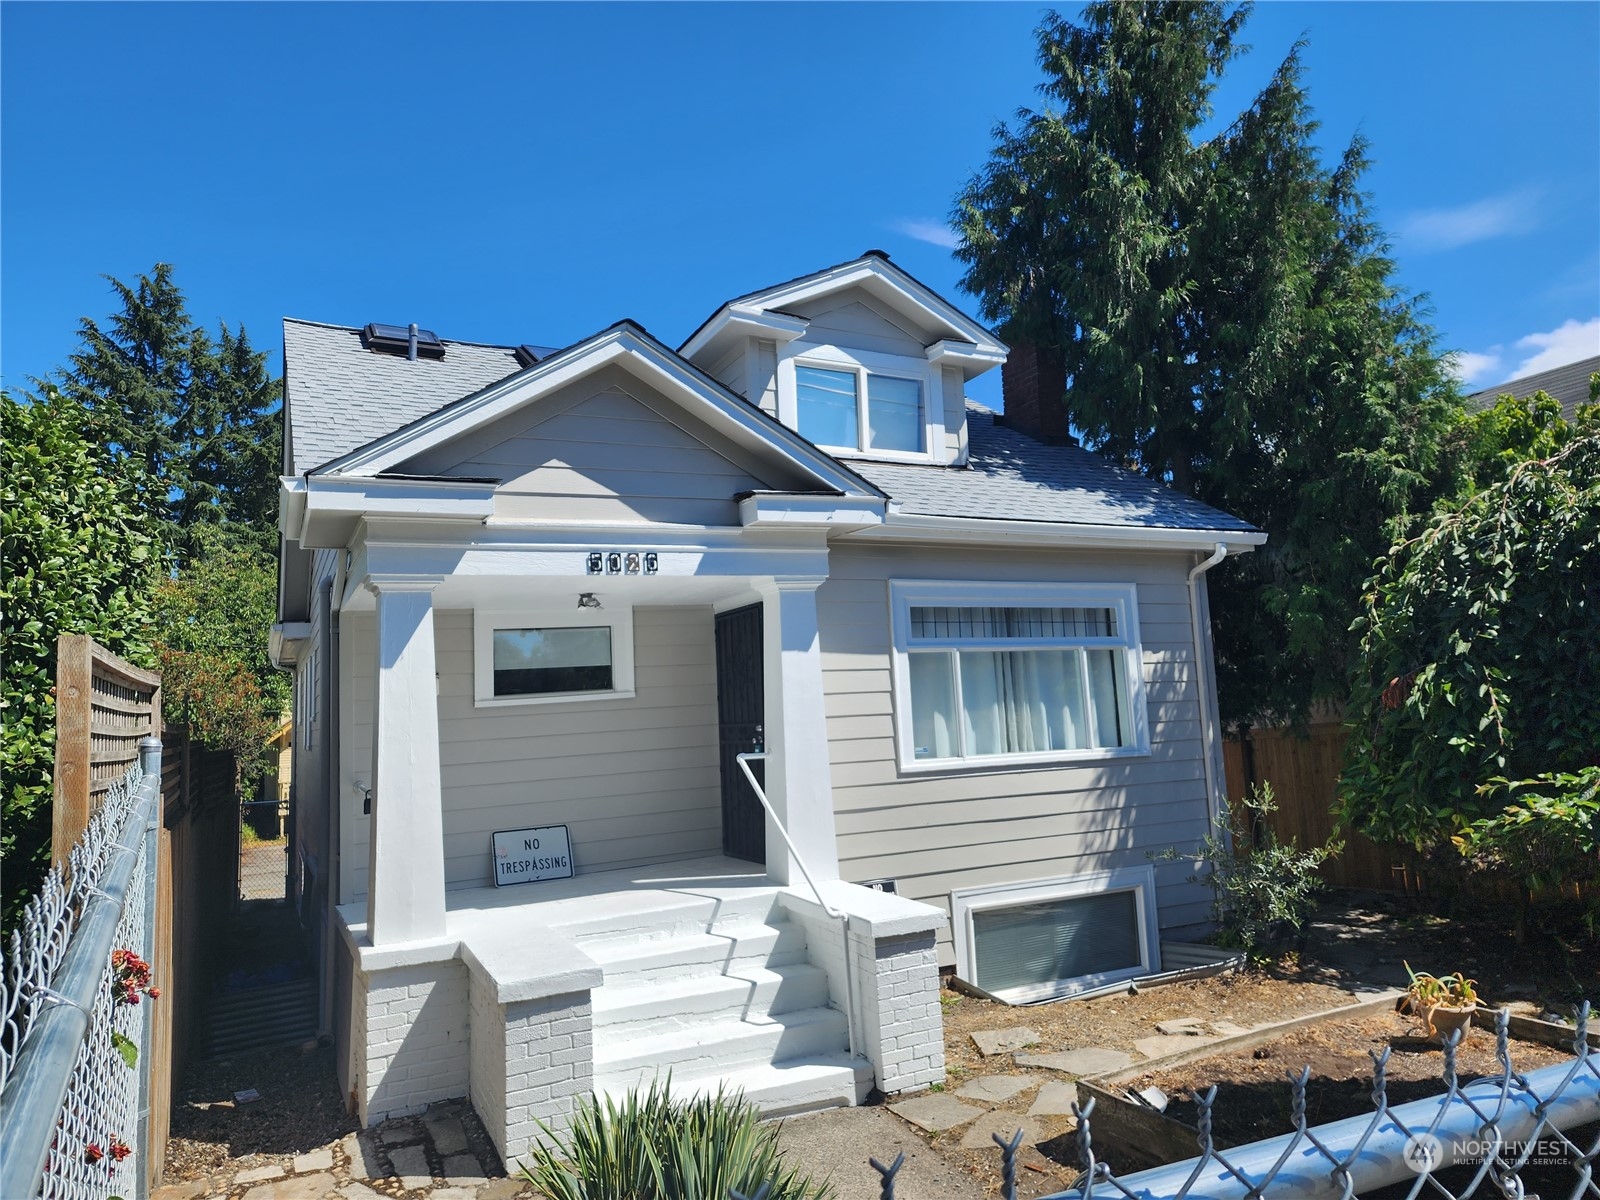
(708, 968)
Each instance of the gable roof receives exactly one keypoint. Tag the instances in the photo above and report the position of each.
(1012, 477)
(1569, 385)
(873, 272)
(391, 442)
(338, 395)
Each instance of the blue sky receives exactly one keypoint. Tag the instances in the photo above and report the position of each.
(511, 173)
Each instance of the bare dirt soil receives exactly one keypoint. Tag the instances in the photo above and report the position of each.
(1253, 1089)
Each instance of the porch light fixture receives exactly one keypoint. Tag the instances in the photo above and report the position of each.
(589, 600)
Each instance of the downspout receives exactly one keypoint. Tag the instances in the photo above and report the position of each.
(329, 702)
(1209, 737)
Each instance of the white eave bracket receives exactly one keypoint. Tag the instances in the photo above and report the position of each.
(287, 642)
(322, 511)
(792, 510)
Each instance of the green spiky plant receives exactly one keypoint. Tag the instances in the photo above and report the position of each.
(651, 1146)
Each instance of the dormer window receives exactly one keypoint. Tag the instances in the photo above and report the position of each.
(830, 413)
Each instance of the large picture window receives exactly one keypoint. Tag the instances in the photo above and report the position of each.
(530, 658)
(1001, 673)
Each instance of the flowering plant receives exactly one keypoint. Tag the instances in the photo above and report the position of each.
(130, 978)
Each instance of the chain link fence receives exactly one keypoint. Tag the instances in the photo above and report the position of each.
(263, 849)
(74, 1045)
(1508, 1136)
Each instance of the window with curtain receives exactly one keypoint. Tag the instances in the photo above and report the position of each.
(991, 682)
(829, 411)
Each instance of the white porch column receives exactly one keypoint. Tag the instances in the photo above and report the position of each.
(405, 866)
(797, 778)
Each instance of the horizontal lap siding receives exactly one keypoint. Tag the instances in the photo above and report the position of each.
(634, 780)
(950, 830)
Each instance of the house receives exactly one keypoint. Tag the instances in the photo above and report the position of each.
(542, 606)
(1568, 386)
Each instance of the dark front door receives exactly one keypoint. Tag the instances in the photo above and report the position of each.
(739, 707)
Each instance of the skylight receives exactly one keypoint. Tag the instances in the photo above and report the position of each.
(396, 339)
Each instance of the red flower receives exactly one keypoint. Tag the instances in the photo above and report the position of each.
(92, 1153)
(130, 976)
(120, 1149)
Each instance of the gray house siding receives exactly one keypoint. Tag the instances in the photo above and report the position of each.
(936, 832)
(604, 450)
(854, 320)
(634, 780)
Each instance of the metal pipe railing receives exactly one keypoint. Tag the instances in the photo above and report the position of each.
(37, 1090)
(843, 918)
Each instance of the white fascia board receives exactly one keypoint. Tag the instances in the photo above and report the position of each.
(914, 527)
(741, 320)
(885, 278)
(973, 360)
(287, 641)
(291, 505)
(787, 510)
(334, 504)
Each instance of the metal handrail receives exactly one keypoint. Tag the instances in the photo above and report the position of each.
(744, 760)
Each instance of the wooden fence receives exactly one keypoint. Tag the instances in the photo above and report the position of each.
(1304, 773)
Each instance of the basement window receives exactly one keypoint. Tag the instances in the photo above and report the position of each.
(1029, 942)
(396, 339)
(549, 657)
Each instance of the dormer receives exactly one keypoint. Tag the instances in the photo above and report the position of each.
(861, 359)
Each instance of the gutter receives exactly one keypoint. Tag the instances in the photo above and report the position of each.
(1210, 737)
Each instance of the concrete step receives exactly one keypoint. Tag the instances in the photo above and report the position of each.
(654, 915)
(783, 1088)
(718, 1048)
(632, 961)
(660, 1005)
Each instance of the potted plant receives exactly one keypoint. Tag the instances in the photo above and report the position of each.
(1444, 1002)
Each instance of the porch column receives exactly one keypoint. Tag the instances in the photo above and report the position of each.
(405, 865)
(797, 777)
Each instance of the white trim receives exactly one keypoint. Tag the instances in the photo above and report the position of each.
(864, 363)
(1121, 598)
(617, 617)
(880, 276)
(1141, 880)
(918, 527)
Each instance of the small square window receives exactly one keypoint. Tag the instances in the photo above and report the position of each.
(829, 410)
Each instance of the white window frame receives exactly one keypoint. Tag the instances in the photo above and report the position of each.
(1140, 880)
(1121, 598)
(862, 363)
(618, 618)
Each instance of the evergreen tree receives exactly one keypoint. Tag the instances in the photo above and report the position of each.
(1224, 317)
(200, 416)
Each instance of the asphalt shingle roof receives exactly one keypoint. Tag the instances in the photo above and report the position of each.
(1012, 477)
(1568, 384)
(340, 396)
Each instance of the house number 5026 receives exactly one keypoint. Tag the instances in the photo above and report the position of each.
(623, 562)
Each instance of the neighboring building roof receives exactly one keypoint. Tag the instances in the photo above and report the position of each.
(1569, 385)
(1012, 477)
(338, 395)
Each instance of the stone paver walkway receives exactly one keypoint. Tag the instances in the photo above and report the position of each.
(442, 1155)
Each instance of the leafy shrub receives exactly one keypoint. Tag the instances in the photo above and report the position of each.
(1480, 661)
(79, 556)
(651, 1146)
(1258, 891)
(1546, 836)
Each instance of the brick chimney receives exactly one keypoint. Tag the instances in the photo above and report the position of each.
(1033, 382)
